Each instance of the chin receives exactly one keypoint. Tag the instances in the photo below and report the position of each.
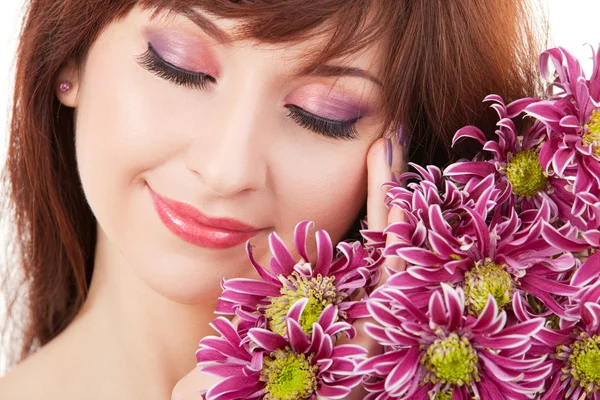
(184, 281)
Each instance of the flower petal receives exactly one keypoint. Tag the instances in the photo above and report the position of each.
(587, 272)
(281, 254)
(266, 339)
(300, 235)
(297, 337)
(324, 253)
(252, 286)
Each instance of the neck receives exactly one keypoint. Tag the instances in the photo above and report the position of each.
(145, 342)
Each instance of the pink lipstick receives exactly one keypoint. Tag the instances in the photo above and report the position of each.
(191, 225)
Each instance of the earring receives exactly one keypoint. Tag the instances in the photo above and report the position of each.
(65, 86)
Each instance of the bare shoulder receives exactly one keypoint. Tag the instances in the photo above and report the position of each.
(16, 385)
(32, 379)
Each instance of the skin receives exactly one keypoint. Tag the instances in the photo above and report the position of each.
(229, 150)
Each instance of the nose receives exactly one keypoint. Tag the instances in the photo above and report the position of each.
(228, 150)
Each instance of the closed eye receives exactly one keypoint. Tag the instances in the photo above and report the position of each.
(156, 64)
(345, 130)
(153, 62)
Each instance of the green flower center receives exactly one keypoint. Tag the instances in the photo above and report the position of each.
(592, 137)
(535, 304)
(553, 322)
(451, 360)
(443, 395)
(584, 361)
(320, 292)
(485, 278)
(288, 375)
(525, 173)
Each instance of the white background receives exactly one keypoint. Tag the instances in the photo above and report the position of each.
(572, 23)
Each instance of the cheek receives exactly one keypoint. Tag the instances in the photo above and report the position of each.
(329, 189)
(129, 121)
(118, 134)
(122, 126)
(126, 132)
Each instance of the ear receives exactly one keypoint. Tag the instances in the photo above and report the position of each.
(68, 74)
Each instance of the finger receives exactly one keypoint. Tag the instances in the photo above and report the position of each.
(396, 263)
(395, 214)
(379, 172)
(385, 158)
(398, 165)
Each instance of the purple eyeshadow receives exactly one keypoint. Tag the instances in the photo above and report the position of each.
(325, 103)
(183, 51)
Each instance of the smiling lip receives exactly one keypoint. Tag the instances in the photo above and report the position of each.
(191, 225)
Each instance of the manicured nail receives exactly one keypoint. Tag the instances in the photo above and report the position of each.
(388, 151)
(402, 137)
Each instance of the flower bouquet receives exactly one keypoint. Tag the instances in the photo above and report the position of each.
(500, 298)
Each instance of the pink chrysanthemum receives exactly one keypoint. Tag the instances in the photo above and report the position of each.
(573, 343)
(515, 165)
(429, 186)
(328, 281)
(265, 365)
(434, 211)
(471, 245)
(445, 354)
(572, 147)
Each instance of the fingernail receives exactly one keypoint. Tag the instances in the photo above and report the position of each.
(402, 137)
(388, 151)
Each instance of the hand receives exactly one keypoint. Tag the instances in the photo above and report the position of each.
(380, 172)
(379, 217)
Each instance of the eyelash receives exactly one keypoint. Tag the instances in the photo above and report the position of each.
(153, 62)
(345, 130)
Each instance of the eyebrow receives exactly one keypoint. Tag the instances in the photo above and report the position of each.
(222, 37)
(206, 25)
(338, 70)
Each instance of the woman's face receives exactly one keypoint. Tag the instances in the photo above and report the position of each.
(244, 138)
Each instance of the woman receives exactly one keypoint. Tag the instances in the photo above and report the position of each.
(151, 139)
